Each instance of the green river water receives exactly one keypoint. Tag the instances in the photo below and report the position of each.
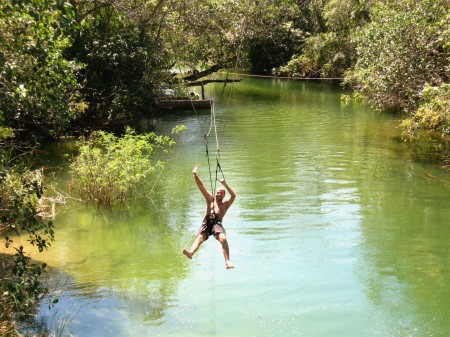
(339, 229)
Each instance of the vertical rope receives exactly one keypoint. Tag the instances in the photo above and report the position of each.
(205, 136)
(213, 124)
(215, 130)
(209, 166)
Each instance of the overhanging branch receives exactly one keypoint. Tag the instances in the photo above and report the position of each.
(209, 71)
(202, 84)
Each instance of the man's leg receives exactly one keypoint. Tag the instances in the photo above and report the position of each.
(198, 241)
(225, 249)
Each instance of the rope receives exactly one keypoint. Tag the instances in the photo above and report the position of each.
(213, 124)
(196, 115)
(205, 136)
(294, 78)
(209, 167)
(215, 129)
(219, 169)
(213, 112)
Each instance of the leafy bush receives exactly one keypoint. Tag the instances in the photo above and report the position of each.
(326, 51)
(324, 55)
(123, 54)
(20, 191)
(111, 170)
(400, 52)
(298, 66)
(433, 113)
(38, 84)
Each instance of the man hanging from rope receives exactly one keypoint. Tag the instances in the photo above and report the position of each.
(216, 208)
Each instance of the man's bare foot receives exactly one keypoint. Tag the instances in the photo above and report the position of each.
(188, 254)
(229, 265)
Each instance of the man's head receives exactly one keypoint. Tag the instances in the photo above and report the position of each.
(220, 194)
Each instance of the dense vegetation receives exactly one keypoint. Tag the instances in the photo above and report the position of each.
(101, 64)
(77, 65)
(21, 189)
(402, 62)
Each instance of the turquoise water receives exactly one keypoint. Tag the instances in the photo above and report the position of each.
(337, 229)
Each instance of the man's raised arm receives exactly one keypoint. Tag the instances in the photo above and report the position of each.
(200, 185)
(230, 190)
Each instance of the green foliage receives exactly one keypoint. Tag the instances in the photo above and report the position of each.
(400, 52)
(326, 49)
(344, 15)
(324, 55)
(203, 33)
(111, 170)
(433, 112)
(114, 39)
(265, 54)
(6, 132)
(278, 31)
(273, 34)
(298, 66)
(20, 191)
(38, 84)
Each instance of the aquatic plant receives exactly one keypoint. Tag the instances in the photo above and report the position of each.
(111, 170)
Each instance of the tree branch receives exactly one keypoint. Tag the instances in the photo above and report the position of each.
(199, 74)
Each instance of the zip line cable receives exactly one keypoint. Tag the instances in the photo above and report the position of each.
(293, 77)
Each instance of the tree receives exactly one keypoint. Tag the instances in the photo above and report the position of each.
(38, 89)
(119, 42)
(206, 35)
(273, 35)
(326, 50)
(433, 113)
(401, 51)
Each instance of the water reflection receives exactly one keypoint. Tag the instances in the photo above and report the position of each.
(336, 231)
(128, 257)
(406, 251)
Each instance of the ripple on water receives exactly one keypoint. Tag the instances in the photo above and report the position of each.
(335, 231)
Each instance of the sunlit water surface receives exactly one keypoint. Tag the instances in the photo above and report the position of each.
(337, 230)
